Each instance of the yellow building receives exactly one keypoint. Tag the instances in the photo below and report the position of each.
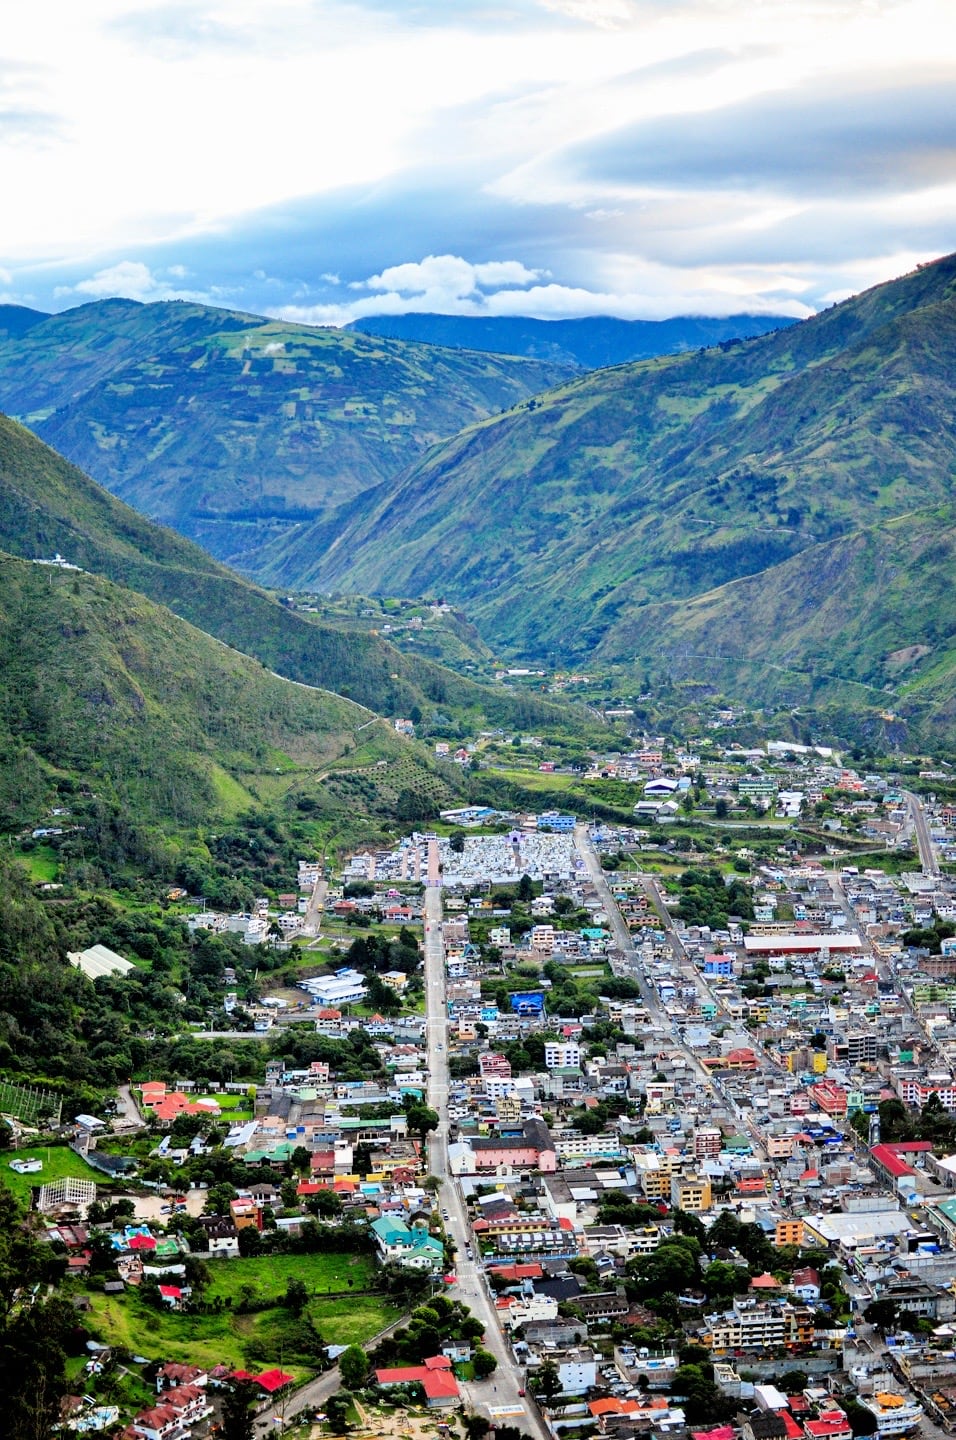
(690, 1193)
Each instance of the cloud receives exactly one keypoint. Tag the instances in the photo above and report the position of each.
(446, 277)
(451, 285)
(828, 139)
(132, 280)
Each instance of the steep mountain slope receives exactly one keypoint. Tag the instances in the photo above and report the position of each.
(228, 426)
(665, 479)
(16, 320)
(866, 621)
(587, 344)
(103, 687)
(47, 505)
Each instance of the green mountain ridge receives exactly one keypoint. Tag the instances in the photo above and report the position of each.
(100, 686)
(231, 427)
(49, 506)
(564, 526)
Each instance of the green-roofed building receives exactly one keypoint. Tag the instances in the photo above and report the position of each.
(414, 1248)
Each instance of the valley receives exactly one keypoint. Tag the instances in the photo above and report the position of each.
(462, 997)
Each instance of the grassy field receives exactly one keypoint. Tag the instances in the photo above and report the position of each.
(40, 863)
(260, 1337)
(58, 1162)
(268, 1275)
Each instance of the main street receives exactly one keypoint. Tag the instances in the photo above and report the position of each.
(924, 841)
(502, 1391)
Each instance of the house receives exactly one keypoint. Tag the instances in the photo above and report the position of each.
(411, 1247)
(435, 1377)
(806, 1285)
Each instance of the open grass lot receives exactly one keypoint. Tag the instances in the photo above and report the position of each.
(40, 863)
(260, 1337)
(268, 1275)
(59, 1161)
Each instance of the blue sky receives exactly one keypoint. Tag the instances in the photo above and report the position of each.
(319, 160)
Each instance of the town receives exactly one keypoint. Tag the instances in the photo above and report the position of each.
(566, 1124)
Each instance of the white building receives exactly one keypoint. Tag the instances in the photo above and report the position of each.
(894, 1414)
(562, 1055)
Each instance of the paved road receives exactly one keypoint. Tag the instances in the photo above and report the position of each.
(503, 1387)
(622, 936)
(312, 1395)
(312, 919)
(127, 1115)
(924, 843)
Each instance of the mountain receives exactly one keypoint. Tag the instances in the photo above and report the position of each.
(556, 524)
(47, 506)
(110, 693)
(16, 320)
(587, 344)
(861, 624)
(230, 427)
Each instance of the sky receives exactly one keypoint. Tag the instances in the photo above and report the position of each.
(320, 160)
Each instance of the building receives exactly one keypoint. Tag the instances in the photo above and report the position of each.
(707, 1142)
(562, 1055)
(67, 1194)
(413, 1248)
(690, 1193)
(894, 1415)
(435, 1377)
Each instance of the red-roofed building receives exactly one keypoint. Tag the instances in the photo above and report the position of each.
(273, 1380)
(889, 1156)
(766, 1281)
(793, 1429)
(831, 1425)
(720, 1432)
(514, 1273)
(829, 1097)
(435, 1377)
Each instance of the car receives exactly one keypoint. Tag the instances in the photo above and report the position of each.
(521, 1390)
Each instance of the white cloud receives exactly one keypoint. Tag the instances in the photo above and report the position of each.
(449, 285)
(505, 272)
(490, 132)
(440, 280)
(132, 280)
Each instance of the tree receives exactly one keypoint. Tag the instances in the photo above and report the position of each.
(722, 1281)
(353, 1367)
(337, 1409)
(881, 1313)
(721, 809)
(483, 1363)
(296, 1295)
(238, 1418)
(704, 1402)
(547, 1381)
(421, 1119)
(687, 1224)
(250, 1241)
(525, 889)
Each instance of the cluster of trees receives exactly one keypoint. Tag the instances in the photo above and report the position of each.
(429, 1327)
(934, 1122)
(707, 898)
(36, 1337)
